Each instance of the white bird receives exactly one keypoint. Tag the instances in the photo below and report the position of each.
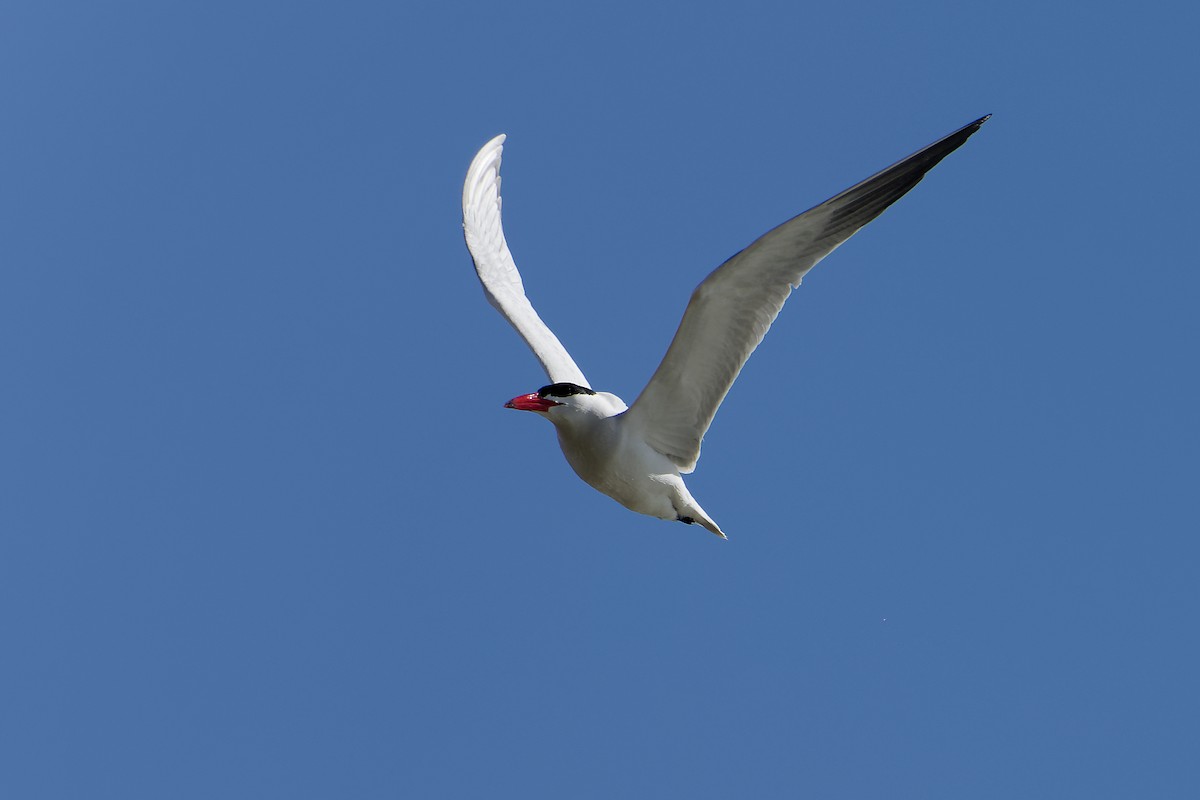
(636, 454)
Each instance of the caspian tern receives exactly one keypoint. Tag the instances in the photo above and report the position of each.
(636, 454)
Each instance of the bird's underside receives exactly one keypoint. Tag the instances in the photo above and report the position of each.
(637, 455)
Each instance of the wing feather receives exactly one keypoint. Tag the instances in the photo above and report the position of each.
(497, 271)
(732, 309)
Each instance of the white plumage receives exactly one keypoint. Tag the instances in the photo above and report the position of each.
(636, 455)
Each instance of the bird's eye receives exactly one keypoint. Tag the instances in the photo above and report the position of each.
(563, 390)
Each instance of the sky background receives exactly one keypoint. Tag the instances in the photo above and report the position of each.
(267, 531)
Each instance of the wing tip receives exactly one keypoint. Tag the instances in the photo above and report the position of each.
(969, 129)
(961, 135)
(493, 146)
(482, 185)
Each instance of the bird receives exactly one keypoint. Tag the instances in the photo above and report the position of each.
(638, 454)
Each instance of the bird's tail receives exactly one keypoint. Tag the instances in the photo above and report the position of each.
(692, 512)
(712, 526)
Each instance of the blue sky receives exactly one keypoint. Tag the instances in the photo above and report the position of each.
(266, 530)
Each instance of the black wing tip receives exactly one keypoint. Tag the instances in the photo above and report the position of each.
(951, 142)
(864, 201)
(974, 126)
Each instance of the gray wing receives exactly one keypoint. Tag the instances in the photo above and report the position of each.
(732, 309)
(497, 271)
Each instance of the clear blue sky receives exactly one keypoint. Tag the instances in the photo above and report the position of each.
(266, 531)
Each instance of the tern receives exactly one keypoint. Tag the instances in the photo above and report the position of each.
(638, 454)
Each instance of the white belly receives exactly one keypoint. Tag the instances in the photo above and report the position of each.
(628, 471)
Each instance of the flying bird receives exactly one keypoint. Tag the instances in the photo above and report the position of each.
(637, 454)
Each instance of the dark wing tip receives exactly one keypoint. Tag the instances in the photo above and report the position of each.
(864, 201)
(950, 143)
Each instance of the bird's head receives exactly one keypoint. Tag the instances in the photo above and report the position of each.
(560, 402)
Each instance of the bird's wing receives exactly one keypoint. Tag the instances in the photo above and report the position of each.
(732, 309)
(497, 271)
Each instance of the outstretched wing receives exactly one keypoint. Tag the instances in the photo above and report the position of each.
(498, 272)
(732, 309)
